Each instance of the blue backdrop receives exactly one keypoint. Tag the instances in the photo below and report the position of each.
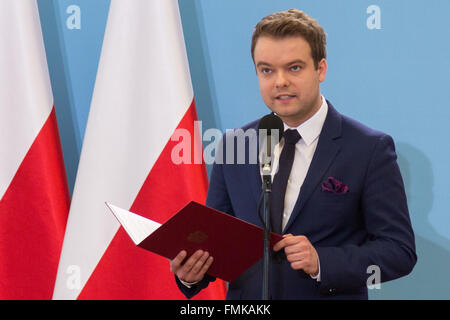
(388, 62)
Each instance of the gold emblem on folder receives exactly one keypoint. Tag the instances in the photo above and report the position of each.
(197, 237)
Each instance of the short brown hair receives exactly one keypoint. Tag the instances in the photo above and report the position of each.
(293, 22)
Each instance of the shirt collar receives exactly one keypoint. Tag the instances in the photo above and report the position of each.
(311, 128)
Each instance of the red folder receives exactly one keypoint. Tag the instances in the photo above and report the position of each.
(234, 244)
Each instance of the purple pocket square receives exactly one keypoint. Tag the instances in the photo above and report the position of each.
(333, 185)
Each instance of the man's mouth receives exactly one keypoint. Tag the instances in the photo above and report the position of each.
(285, 97)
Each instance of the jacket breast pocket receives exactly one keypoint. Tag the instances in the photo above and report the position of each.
(334, 211)
(337, 199)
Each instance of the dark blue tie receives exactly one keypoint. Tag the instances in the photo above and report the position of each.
(291, 137)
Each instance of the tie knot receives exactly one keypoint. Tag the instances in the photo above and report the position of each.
(291, 136)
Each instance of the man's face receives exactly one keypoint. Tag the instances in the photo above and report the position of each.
(288, 79)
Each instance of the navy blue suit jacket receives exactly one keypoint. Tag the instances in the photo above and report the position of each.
(369, 225)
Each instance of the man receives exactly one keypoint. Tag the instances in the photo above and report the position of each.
(343, 210)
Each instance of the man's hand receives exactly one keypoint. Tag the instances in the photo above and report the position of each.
(300, 253)
(194, 269)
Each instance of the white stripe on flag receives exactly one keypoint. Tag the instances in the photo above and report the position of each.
(25, 92)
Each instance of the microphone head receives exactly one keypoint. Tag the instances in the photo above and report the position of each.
(266, 125)
(272, 122)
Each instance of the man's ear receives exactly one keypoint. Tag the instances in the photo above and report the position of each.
(322, 69)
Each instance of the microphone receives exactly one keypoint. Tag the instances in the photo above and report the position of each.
(273, 129)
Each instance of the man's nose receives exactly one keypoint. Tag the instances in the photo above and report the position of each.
(281, 80)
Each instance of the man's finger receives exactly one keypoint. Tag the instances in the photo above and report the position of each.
(295, 257)
(207, 264)
(189, 264)
(279, 245)
(200, 263)
(287, 241)
(297, 247)
(298, 265)
(176, 262)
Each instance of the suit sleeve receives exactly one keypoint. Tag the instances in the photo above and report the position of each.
(389, 244)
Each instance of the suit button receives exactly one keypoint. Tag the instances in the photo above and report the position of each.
(331, 291)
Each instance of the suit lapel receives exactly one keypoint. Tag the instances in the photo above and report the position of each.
(326, 150)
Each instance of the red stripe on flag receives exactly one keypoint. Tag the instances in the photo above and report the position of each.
(33, 216)
(128, 272)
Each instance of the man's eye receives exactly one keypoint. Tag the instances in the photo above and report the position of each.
(266, 70)
(295, 68)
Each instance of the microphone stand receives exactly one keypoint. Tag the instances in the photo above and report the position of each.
(266, 190)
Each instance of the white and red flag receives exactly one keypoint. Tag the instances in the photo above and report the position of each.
(142, 94)
(34, 198)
